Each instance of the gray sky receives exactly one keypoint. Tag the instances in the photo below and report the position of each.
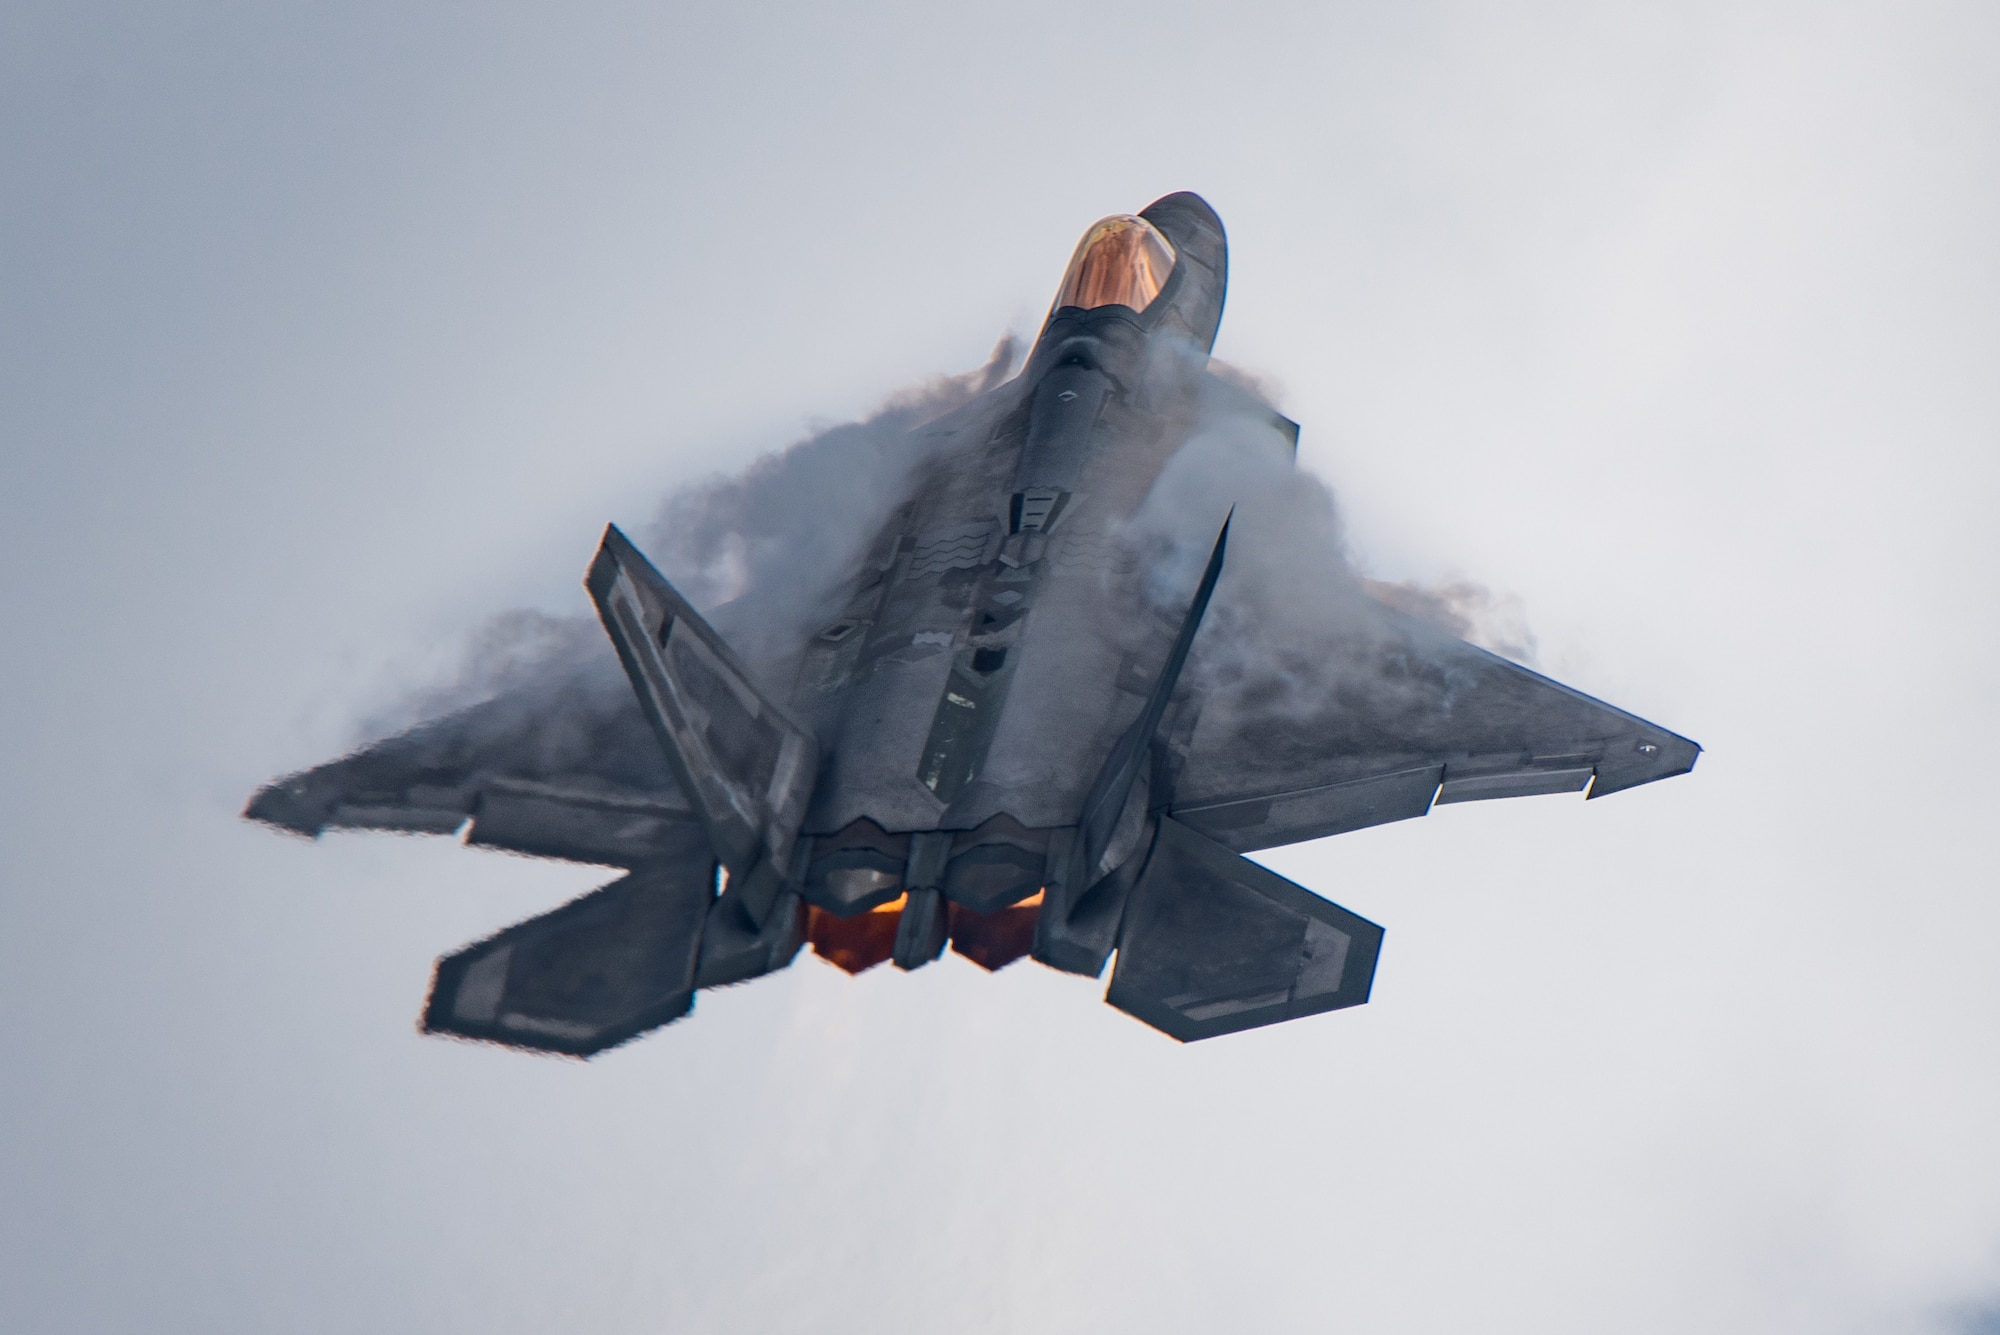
(328, 331)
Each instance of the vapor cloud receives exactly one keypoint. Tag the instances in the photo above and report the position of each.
(767, 553)
(762, 552)
(1293, 616)
(1471, 611)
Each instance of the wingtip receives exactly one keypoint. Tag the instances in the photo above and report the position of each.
(1670, 757)
(282, 807)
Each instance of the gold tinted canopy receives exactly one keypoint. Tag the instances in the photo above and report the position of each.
(1121, 261)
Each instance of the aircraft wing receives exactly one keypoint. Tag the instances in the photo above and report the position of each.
(564, 766)
(1389, 720)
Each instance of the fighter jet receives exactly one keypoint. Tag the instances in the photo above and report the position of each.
(992, 739)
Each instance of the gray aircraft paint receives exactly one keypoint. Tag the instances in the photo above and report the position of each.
(1005, 629)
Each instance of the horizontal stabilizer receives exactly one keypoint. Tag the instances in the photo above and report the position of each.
(593, 973)
(746, 768)
(1213, 943)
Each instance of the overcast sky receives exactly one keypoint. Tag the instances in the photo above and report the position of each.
(328, 331)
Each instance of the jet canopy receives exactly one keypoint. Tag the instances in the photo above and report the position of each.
(1121, 261)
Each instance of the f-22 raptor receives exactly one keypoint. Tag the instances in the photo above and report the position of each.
(989, 741)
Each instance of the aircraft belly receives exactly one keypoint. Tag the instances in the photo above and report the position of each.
(873, 772)
(1068, 704)
(949, 532)
(996, 737)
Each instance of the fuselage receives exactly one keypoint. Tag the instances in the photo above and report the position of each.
(984, 736)
(998, 638)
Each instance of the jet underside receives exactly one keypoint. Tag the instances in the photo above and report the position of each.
(991, 740)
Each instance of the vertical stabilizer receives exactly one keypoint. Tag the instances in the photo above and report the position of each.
(747, 769)
(1105, 805)
(1086, 892)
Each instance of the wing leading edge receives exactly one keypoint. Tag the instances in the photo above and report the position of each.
(1409, 717)
(563, 767)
